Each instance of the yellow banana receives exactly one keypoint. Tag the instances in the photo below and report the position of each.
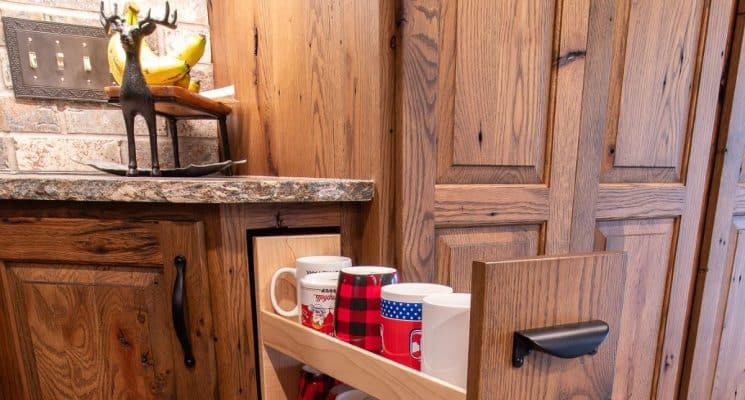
(166, 71)
(117, 58)
(194, 86)
(131, 10)
(156, 70)
(193, 50)
(183, 82)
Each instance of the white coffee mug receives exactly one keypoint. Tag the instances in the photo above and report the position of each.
(445, 323)
(303, 267)
(317, 300)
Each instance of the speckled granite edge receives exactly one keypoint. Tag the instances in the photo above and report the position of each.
(227, 190)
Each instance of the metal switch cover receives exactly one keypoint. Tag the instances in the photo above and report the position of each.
(50, 60)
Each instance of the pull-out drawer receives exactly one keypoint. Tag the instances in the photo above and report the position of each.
(508, 297)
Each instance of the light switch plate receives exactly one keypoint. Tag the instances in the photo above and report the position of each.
(59, 51)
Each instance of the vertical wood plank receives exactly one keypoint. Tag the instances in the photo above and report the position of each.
(187, 239)
(416, 91)
(569, 69)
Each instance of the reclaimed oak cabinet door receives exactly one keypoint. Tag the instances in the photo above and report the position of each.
(556, 127)
(715, 361)
(86, 307)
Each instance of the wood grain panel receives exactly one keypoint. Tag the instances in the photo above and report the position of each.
(315, 81)
(729, 374)
(658, 73)
(490, 204)
(457, 249)
(647, 244)
(503, 58)
(541, 292)
(621, 201)
(92, 333)
(416, 102)
(116, 242)
(497, 85)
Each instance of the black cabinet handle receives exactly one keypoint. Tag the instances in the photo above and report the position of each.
(179, 313)
(565, 341)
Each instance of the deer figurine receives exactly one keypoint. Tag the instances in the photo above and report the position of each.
(134, 96)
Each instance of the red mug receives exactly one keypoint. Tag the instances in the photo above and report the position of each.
(401, 327)
(358, 305)
(314, 385)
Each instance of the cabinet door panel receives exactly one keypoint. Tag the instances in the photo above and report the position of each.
(650, 102)
(88, 318)
(503, 58)
(457, 248)
(655, 49)
(498, 84)
(647, 244)
(715, 357)
(91, 333)
(729, 378)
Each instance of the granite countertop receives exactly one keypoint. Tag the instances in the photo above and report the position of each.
(208, 190)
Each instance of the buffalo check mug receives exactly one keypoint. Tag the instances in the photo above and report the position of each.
(401, 328)
(358, 305)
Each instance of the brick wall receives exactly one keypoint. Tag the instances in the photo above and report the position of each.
(48, 135)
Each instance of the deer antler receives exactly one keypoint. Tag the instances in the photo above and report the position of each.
(114, 19)
(166, 21)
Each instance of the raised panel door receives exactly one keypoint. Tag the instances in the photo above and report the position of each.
(489, 130)
(650, 101)
(89, 332)
(714, 361)
(89, 317)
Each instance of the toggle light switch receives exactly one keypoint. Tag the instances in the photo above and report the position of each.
(87, 64)
(33, 63)
(60, 61)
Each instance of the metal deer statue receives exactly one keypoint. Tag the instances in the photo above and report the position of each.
(134, 96)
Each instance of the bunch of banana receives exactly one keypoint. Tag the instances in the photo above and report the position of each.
(157, 70)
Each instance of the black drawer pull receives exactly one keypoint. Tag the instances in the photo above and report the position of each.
(565, 341)
(179, 313)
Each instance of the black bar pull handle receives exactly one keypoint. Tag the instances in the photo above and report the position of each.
(565, 341)
(178, 311)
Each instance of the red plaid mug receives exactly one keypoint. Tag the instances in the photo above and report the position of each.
(358, 305)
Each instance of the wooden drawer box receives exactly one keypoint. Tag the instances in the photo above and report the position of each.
(507, 296)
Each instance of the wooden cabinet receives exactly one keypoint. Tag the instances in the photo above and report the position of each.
(86, 310)
(534, 127)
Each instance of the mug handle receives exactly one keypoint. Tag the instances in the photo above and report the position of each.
(273, 293)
